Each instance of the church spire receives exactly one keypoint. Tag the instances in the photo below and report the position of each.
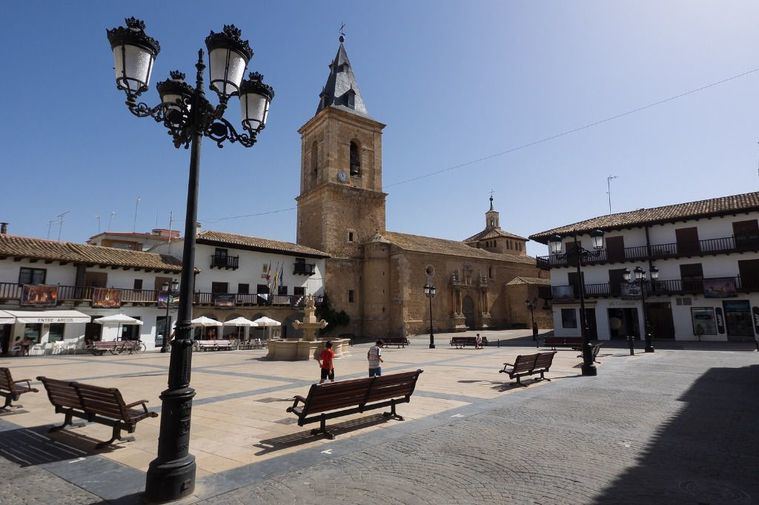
(341, 89)
(491, 216)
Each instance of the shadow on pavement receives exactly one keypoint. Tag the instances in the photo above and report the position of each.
(706, 454)
(34, 446)
(305, 437)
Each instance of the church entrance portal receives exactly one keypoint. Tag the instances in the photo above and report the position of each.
(468, 310)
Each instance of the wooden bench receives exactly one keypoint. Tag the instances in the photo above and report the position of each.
(330, 400)
(99, 347)
(529, 364)
(95, 404)
(398, 342)
(461, 342)
(213, 345)
(554, 342)
(593, 352)
(11, 390)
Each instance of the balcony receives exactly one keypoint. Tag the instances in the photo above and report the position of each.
(263, 299)
(709, 287)
(304, 268)
(225, 262)
(713, 246)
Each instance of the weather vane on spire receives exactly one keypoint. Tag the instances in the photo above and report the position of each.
(491, 199)
(342, 33)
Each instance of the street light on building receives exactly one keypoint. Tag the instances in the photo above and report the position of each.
(577, 255)
(169, 289)
(531, 306)
(188, 116)
(429, 291)
(638, 277)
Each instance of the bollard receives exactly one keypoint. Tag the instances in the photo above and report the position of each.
(631, 343)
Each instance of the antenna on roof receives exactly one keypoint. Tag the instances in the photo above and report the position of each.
(608, 188)
(49, 226)
(98, 218)
(136, 206)
(110, 220)
(60, 223)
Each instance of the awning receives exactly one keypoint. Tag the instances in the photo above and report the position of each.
(49, 316)
(6, 318)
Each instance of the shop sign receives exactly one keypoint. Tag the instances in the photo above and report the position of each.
(719, 288)
(106, 298)
(224, 300)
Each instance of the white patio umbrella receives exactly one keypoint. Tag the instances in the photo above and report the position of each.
(205, 322)
(239, 322)
(118, 320)
(267, 322)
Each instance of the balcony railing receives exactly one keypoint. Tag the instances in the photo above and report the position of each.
(118, 296)
(225, 261)
(304, 268)
(709, 287)
(710, 246)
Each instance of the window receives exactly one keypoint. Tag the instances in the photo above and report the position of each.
(219, 287)
(33, 332)
(351, 298)
(221, 253)
(299, 291)
(243, 289)
(687, 241)
(96, 279)
(282, 290)
(692, 275)
(350, 236)
(355, 159)
(568, 318)
(615, 248)
(749, 271)
(56, 332)
(314, 159)
(138, 284)
(162, 329)
(32, 276)
(262, 289)
(131, 331)
(746, 234)
(490, 272)
(703, 321)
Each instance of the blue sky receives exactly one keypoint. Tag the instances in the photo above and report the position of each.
(455, 81)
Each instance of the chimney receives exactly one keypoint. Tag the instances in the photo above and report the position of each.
(3, 228)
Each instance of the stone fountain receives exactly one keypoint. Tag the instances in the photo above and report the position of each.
(309, 346)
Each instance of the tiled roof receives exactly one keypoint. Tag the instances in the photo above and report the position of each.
(255, 243)
(528, 280)
(493, 233)
(667, 214)
(433, 245)
(34, 248)
(340, 82)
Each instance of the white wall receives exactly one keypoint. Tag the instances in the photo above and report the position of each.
(56, 273)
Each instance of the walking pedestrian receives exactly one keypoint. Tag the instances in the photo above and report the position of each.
(478, 341)
(326, 365)
(375, 359)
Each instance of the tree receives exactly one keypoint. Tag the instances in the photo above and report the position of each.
(333, 318)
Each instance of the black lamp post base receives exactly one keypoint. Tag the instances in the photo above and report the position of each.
(649, 348)
(432, 346)
(171, 480)
(589, 370)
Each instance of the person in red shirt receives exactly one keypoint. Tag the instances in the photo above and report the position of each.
(325, 361)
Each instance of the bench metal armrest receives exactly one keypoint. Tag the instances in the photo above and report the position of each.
(139, 402)
(508, 364)
(296, 399)
(28, 382)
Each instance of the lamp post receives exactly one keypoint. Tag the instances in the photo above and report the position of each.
(638, 276)
(579, 253)
(531, 305)
(170, 288)
(429, 291)
(188, 116)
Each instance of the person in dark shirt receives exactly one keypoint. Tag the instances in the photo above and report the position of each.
(326, 364)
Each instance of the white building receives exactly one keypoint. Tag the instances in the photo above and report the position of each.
(707, 257)
(53, 291)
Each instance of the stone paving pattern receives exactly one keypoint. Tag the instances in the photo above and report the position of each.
(674, 427)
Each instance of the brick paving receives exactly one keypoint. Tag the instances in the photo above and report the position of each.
(674, 427)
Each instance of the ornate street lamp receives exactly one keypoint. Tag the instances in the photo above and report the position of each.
(170, 289)
(430, 291)
(577, 255)
(638, 276)
(531, 306)
(188, 116)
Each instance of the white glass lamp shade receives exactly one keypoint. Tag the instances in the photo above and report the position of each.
(433, 291)
(654, 273)
(255, 97)
(598, 239)
(228, 56)
(627, 275)
(175, 97)
(134, 54)
(640, 274)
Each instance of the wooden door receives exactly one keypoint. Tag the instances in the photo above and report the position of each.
(687, 241)
(615, 249)
(96, 279)
(616, 280)
(577, 282)
(749, 271)
(746, 234)
(692, 278)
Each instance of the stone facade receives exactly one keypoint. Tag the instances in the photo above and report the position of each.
(378, 276)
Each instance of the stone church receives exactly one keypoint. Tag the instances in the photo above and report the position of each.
(377, 276)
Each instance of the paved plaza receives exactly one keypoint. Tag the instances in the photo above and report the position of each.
(677, 426)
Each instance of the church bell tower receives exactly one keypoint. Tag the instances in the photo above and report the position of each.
(341, 204)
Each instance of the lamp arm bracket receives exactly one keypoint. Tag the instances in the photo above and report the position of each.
(221, 130)
(142, 109)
